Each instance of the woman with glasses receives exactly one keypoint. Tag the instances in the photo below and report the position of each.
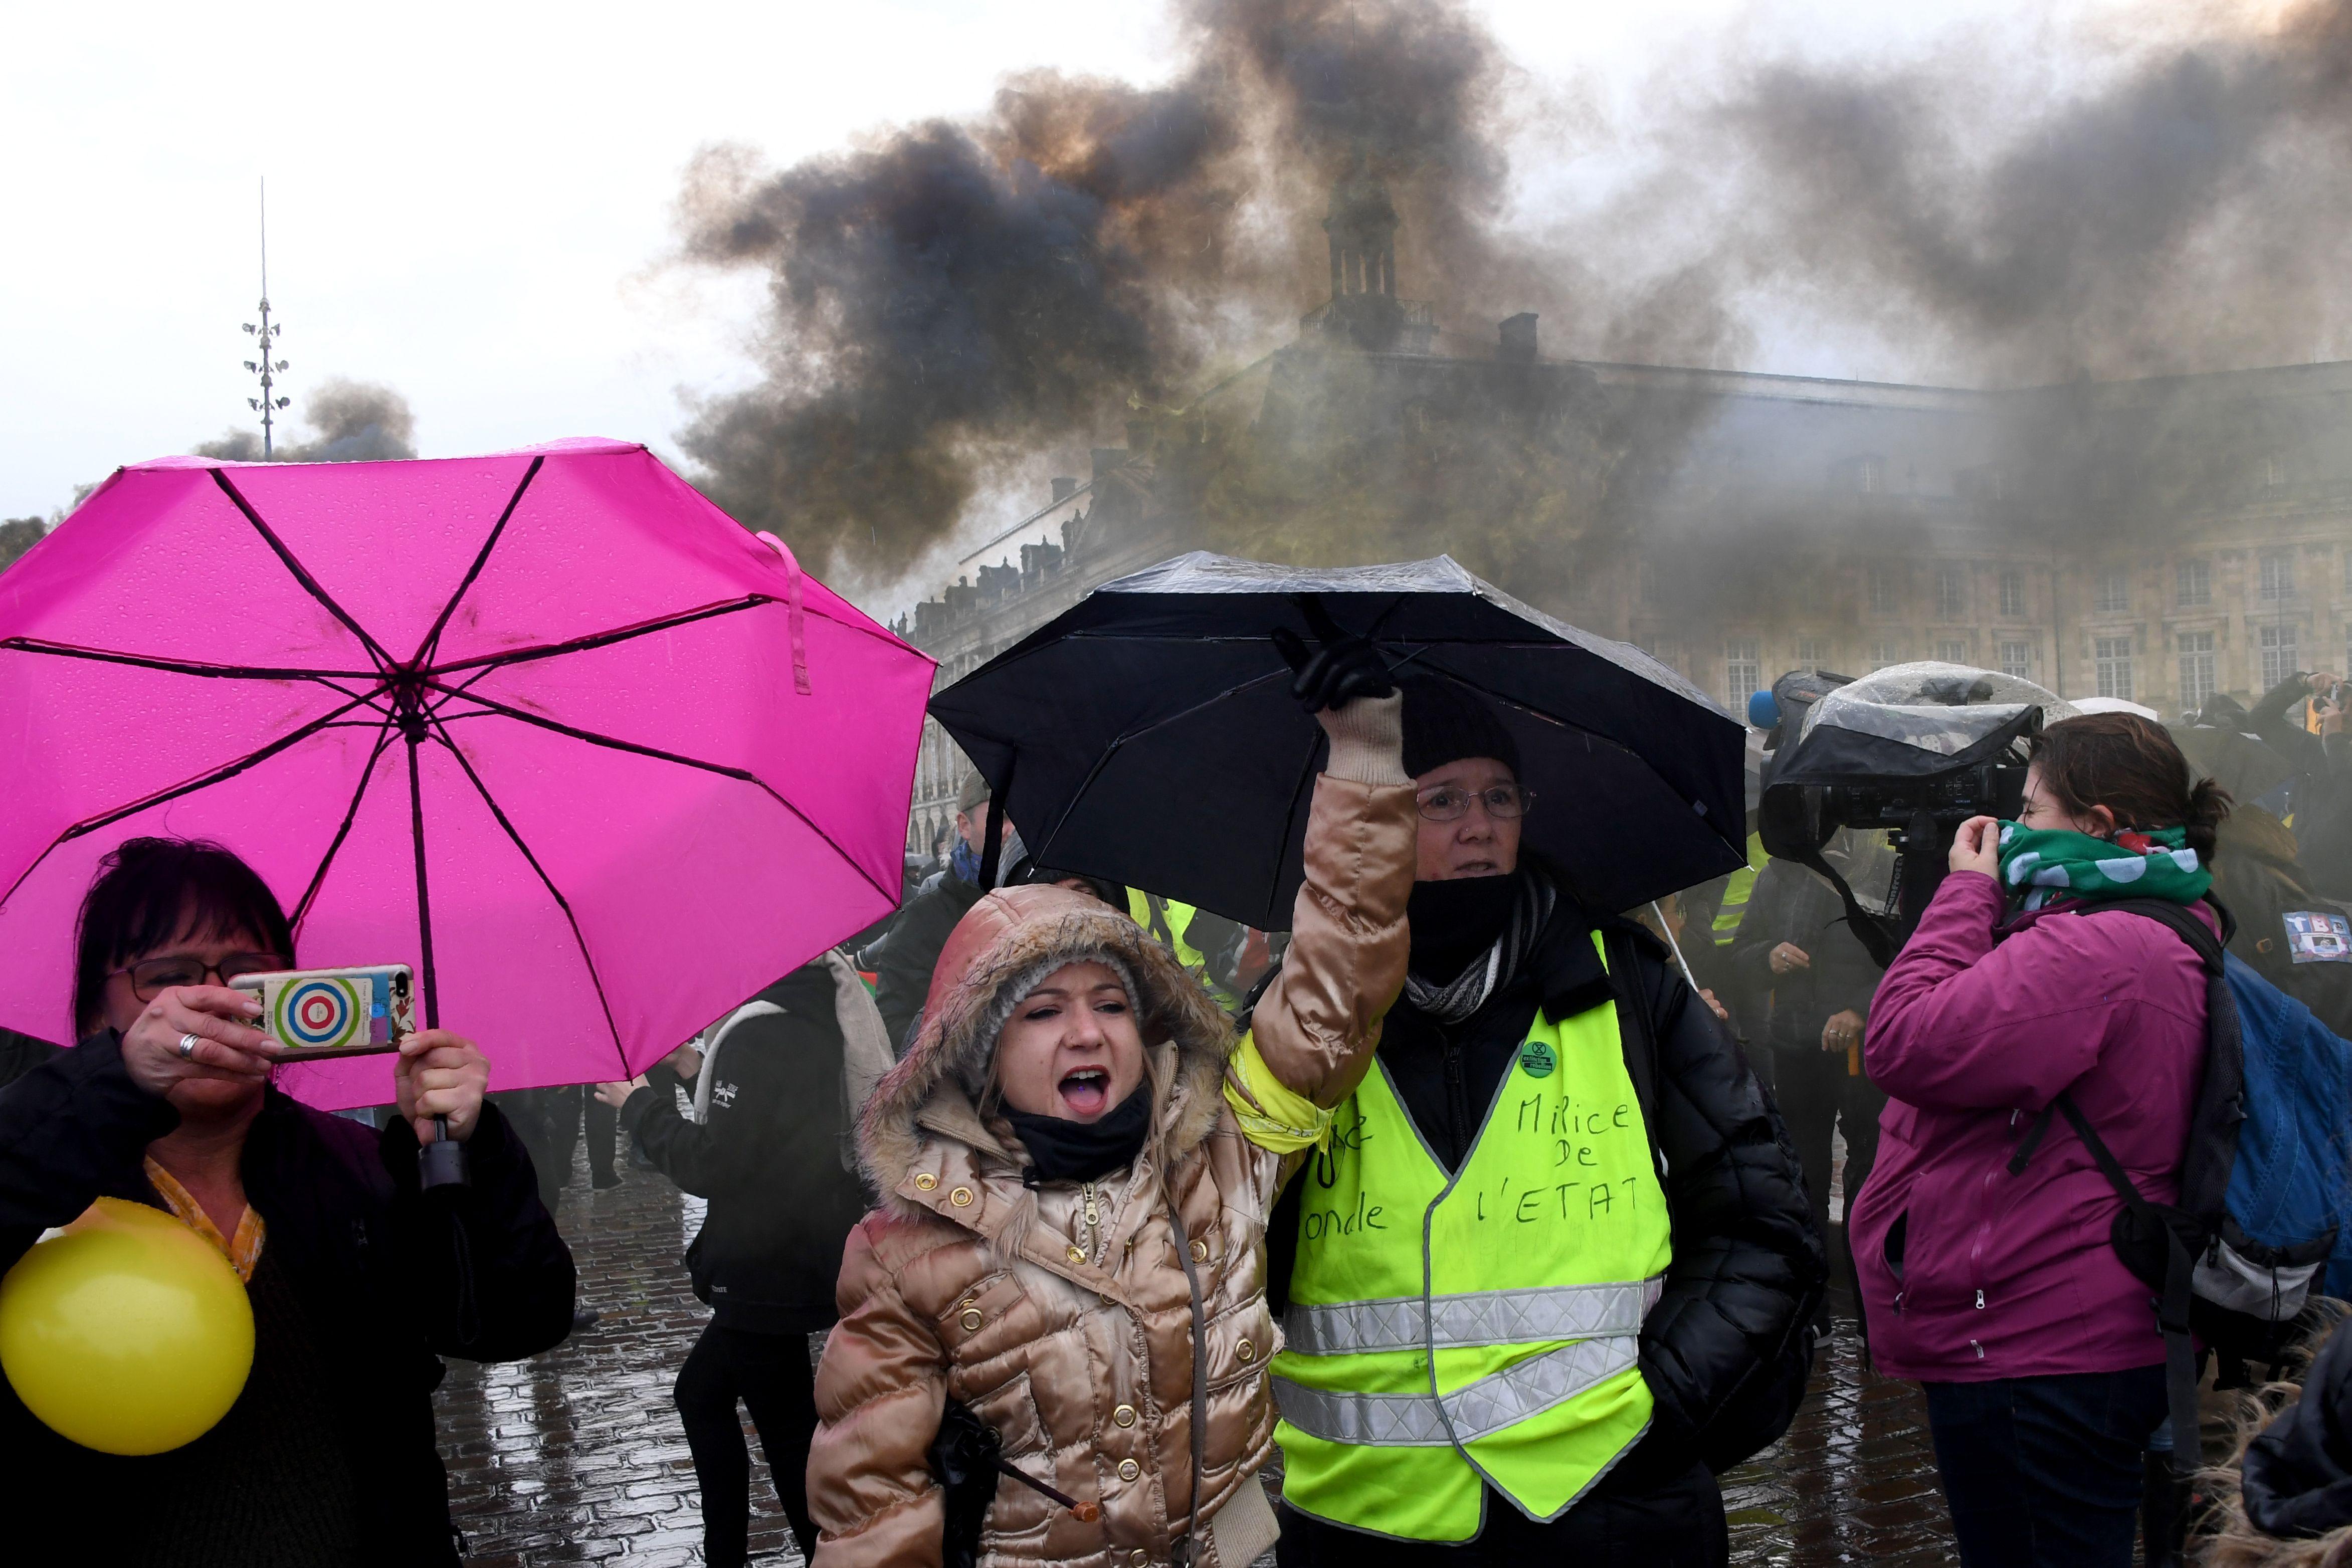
(1545, 1278)
(358, 1278)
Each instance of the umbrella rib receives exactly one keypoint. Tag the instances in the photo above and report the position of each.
(367, 776)
(488, 662)
(571, 919)
(426, 650)
(225, 771)
(301, 574)
(180, 666)
(615, 742)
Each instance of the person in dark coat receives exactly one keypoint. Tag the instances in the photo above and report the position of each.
(1797, 952)
(1726, 1350)
(911, 951)
(360, 1279)
(769, 1152)
(2322, 788)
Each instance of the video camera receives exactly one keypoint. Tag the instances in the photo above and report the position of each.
(1914, 750)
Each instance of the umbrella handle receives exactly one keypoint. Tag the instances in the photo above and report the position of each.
(442, 1162)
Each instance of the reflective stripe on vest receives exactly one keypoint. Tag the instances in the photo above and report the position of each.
(1477, 1318)
(1450, 1333)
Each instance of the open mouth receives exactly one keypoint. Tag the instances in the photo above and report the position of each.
(1086, 1091)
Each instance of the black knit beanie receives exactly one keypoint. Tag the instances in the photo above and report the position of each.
(1445, 722)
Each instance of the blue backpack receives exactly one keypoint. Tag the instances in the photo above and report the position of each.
(2265, 1182)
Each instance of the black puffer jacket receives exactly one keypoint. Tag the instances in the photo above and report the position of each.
(1728, 1347)
(384, 1276)
(768, 1256)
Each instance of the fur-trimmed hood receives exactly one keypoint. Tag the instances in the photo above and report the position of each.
(1007, 942)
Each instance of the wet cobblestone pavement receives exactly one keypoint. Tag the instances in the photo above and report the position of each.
(577, 1456)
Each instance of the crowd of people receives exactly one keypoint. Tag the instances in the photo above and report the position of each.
(1495, 1226)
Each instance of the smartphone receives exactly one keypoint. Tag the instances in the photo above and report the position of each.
(334, 1012)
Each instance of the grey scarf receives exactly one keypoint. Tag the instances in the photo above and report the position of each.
(1468, 991)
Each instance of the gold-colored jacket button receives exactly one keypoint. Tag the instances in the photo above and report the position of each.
(1138, 1558)
(1075, 1253)
(1246, 1351)
(971, 1321)
(961, 1198)
(1128, 1469)
(1124, 1415)
(926, 1182)
(1199, 1252)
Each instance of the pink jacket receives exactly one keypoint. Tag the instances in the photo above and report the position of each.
(1968, 1272)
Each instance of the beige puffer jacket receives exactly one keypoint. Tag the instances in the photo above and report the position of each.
(1075, 1341)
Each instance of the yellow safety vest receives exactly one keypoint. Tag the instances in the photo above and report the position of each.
(1733, 908)
(1168, 921)
(1444, 1331)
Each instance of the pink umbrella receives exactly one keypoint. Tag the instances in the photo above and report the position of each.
(546, 725)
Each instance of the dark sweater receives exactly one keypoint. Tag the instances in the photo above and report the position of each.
(366, 1281)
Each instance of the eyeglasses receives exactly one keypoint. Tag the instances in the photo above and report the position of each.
(150, 977)
(1449, 804)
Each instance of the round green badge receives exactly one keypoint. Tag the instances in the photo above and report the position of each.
(1536, 1058)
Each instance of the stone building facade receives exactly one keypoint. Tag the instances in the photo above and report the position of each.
(2160, 541)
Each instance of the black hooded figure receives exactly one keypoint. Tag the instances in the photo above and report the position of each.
(1725, 1349)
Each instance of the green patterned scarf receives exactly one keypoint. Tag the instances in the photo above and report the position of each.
(2053, 863)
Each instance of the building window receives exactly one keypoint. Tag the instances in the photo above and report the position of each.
(1743, 671)
(1813, 654)
(2347, 571)
(2016, 660)
(2278, 577)
(2012, 596)
(2278, 654)
(1869, 475)
(1883, 653)
(2112, 596)
(1952, 650)
(2193, 585)
(2113, 659)
(1882, 591)
(2274, 472)
(1646, 582)
(2197, 669)
(1951, 593)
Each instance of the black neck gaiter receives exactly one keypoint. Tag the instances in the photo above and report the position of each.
(1454, 921)
(1065, 1151)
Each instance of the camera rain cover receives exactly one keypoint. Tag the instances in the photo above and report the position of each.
(1914, 720)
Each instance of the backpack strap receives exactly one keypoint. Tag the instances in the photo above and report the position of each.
(2172, 1303)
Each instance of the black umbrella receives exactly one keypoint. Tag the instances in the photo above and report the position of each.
(1148, 734)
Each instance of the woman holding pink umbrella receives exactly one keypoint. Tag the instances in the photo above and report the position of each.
(359, 1276)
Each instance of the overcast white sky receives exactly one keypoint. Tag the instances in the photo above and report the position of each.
(471, 203)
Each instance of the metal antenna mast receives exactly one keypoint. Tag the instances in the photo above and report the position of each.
(265, 336)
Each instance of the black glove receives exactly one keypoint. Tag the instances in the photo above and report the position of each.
(1345, 668)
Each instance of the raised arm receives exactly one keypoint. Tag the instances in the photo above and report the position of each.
(1312, 1034)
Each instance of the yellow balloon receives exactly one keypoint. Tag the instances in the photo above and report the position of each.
(126, 1332)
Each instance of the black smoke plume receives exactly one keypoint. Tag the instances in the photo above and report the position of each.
(955, 296)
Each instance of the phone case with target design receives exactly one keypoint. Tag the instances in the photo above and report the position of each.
(321, 1013)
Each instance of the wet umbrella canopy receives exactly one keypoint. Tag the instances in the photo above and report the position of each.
(1148, 734)
(547, 726)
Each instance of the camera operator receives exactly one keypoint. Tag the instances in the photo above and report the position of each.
(1796, 950)
(1997, 1289)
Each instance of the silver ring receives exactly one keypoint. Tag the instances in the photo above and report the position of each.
(187, 1047)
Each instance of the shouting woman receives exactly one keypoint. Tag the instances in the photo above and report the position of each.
(1075, 1163)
